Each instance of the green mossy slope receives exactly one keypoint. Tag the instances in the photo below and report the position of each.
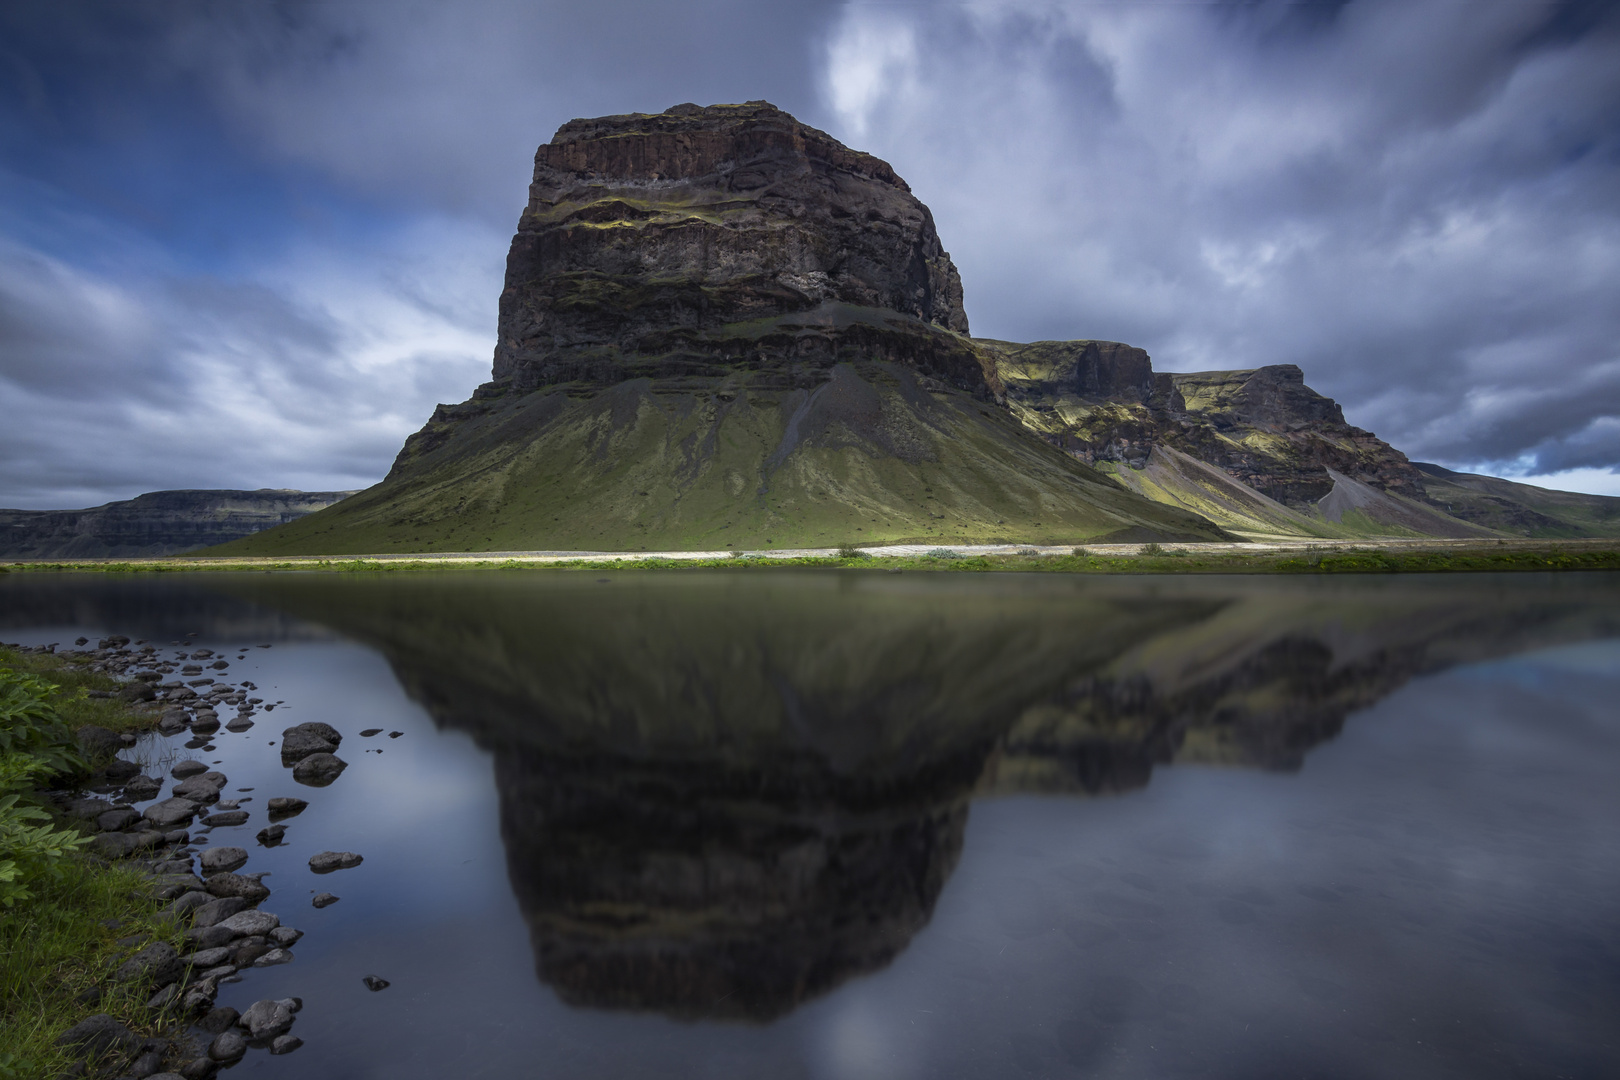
(871, 455)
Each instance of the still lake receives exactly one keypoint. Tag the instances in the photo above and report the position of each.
(773, 823)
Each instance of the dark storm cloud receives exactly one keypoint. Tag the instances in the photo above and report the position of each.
(1417, 203)
(253, 243)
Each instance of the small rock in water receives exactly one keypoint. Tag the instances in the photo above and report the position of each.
(202, 788)
(325, 899)
(373, 983)
(219, 1019)
(171, 811)
(217, 911)
(370, 731)
(241, 723)
(302, 740)
(266, 1019)
(247, 888)
(216, 859)
(271, 835)
(395, 734)
(114, 820)
(141, 788)
(285, 807)
(203, 959)
(286, 937)
(251, 923)
(227, 1046)
(328, 861)
(274, 957)
(319, 770)
(229, 817)
(285, 1044)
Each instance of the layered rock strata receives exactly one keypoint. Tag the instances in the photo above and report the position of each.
(157, 523)
(1102, 402)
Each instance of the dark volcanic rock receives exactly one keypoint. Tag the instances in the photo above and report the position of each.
(302, 740)
(97, 1035)
(318, 770)
(647, 233)
(283, 806)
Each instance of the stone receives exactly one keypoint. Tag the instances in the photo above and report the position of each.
(202, 788)
(281, 806)
(188, 768)
(373, 983)
(240, 723)
(97, 741)
(199, 997)
(328, 861)
(324, 899)
(155, 965)
(170, 812)
(250, 923)
(226, 818)
(319, 770)
(203, 959)
(142, 788)
(164, 997)
(227, 1046)
(249, 888)
(98, 1035)
(285, 1044)
(285, 937)
(139, 691)
(207, 937)
(216, 859)
(206, 723)
(370, 731)
(302, 740)
(114, 820)
(248, 950)
(219, 1019)
(86, 809)
(217, 911)
(266, 1019)
(271, 835)
(199, 1069)
(121, 770)
(186, 903)
(395, 734)
(173, 886)
(274, 957)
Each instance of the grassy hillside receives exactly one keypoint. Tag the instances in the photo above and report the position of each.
(875, 454)
(1521, 509)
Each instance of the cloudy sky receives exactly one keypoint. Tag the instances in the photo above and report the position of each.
(251, 244)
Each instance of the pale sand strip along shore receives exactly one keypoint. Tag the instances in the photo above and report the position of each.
(1258, 546)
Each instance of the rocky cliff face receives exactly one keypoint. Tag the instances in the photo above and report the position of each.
(670, 245)
(157, 523)
(1102, 402)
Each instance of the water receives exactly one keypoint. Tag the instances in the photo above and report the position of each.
(851, 825)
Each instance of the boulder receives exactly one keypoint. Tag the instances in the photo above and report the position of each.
(251, 923)
(97, 1035)
(202, 788)
(217, 859)
(218, 910)
(302, 740)
(170, 812)
(156, 965)
(266, 1019)
(328, 861)
(319, 770)
(282, 806)
(248, 888)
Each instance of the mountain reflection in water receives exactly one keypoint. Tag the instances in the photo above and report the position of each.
(725, 794)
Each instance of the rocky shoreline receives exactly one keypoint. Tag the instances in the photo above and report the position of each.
(226, 932)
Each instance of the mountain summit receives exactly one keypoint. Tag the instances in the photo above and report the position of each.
(721, 327)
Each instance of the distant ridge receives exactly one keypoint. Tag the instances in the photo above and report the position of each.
(157, 523)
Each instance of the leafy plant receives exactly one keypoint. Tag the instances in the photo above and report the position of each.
(30, 846)
(31, 727)
(1081, 553)
(1152, 549)
(850, 551)
(943, 553)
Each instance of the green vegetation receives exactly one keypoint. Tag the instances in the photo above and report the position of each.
(1180, 559)
(870, 457)
(63, 911)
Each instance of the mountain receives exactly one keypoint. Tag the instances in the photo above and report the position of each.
(1522, 509)
(1256, 451)
(157, 523)
(721, 327)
